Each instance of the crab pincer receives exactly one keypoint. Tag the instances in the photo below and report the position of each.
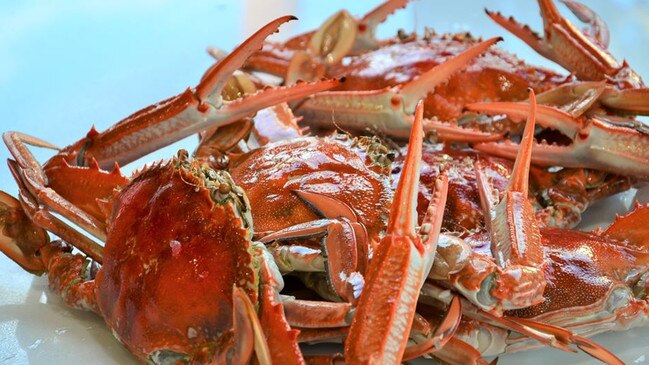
(391, 109)
(400, 264)
(583, 52)
(515, 236)
(597, 142)
(75, 182)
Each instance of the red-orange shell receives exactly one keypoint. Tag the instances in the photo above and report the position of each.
(329, 166)
(171, 260)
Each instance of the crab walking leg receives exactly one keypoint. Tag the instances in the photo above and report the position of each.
(20, 239)
(391, 109)
(536, 331)
(386, 308)
(26, 228)
(344, 244)
(278, 333)
(597, 143)
(443, 333)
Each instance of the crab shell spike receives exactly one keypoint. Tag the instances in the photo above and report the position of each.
(386, 308)
(632, 227)
(418, 88)
(403, 215)
(217, 76)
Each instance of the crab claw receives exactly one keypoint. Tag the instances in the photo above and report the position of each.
(515, 236)
(619, 147)
(564, 43)
(597, 28)
(195, 109)
(345, 242)
(20, 239)
(391, 110)
(386, 308)
(307, 56)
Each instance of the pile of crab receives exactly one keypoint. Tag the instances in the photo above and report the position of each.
(406, 197)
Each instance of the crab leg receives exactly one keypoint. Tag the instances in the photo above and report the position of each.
(40, 218)
(598, 143)
(443, 333)
(386, 308)
(345, 242)
(281, 338)
(193, 111)
(73, 181)
(564, 44)
(583, 54)
(597, 28)
(366, 38)
(20, 239)
(514, 277)
(343, 35)
(391, 109)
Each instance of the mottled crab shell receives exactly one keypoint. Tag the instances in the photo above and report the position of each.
(353, 171)
(178, 241)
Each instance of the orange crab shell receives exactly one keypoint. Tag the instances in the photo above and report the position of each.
(340, 167)
(178, 242)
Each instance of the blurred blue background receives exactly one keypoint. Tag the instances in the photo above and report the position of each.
(66, 65)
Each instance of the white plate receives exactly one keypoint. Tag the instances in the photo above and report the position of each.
(67, 65)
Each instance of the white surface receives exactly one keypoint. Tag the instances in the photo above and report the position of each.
(67, 65)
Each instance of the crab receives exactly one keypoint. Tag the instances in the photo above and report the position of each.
(347, 233)
(76, 182)
(380, 81)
